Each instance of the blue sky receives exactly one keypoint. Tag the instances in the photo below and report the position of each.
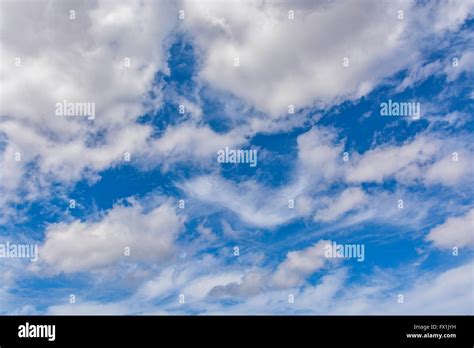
(172, 230)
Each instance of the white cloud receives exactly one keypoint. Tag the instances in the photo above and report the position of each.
(161, 285)
(348, 200)
(81, 59)
(295, 61)
(78, 60)
(252, 283)
(446, 171)
(454, 232)
(427, 159)
(404, 162)
(449, 292)
(465, 64)
(195, 278)
(442, 293)
(253, 203)
(300, 264)
(319, 156)
(191, 143)
(71, 158)
(199, 288)
(318, 164)
(437, 293)
(418, 74)
(89, 245)
(90, 308)
(450, 14)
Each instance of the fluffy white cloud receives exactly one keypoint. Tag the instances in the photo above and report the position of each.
(319, 156)
(67, 161)
(427, 158)
(299, 61)
(349, 199)
(403, 161)
(454, 232)
(450, 14)
(447, 171)
(199, 288)
(82, 246)
(294, 61)
(191, 143)
(80, 59)
(300, 264)
(47, 58)
(449, 292)
(252, 283)
(465, 64)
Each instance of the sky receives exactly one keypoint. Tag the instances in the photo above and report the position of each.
(237, 157)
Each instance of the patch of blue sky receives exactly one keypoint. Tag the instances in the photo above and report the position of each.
(31, 290)
(120, 183)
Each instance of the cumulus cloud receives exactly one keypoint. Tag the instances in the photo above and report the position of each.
(50, 55)
(300, 264)
(456, 231)
(319, 156)
(97, 41)
(89, 245)
(252, 283)
(447, 171)
(349, 199)
(450, 14)
(190, 143)
(70, 159)
(197, 289)
(465, 64)
(428, 158)
(404, 161)
(285, 61)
